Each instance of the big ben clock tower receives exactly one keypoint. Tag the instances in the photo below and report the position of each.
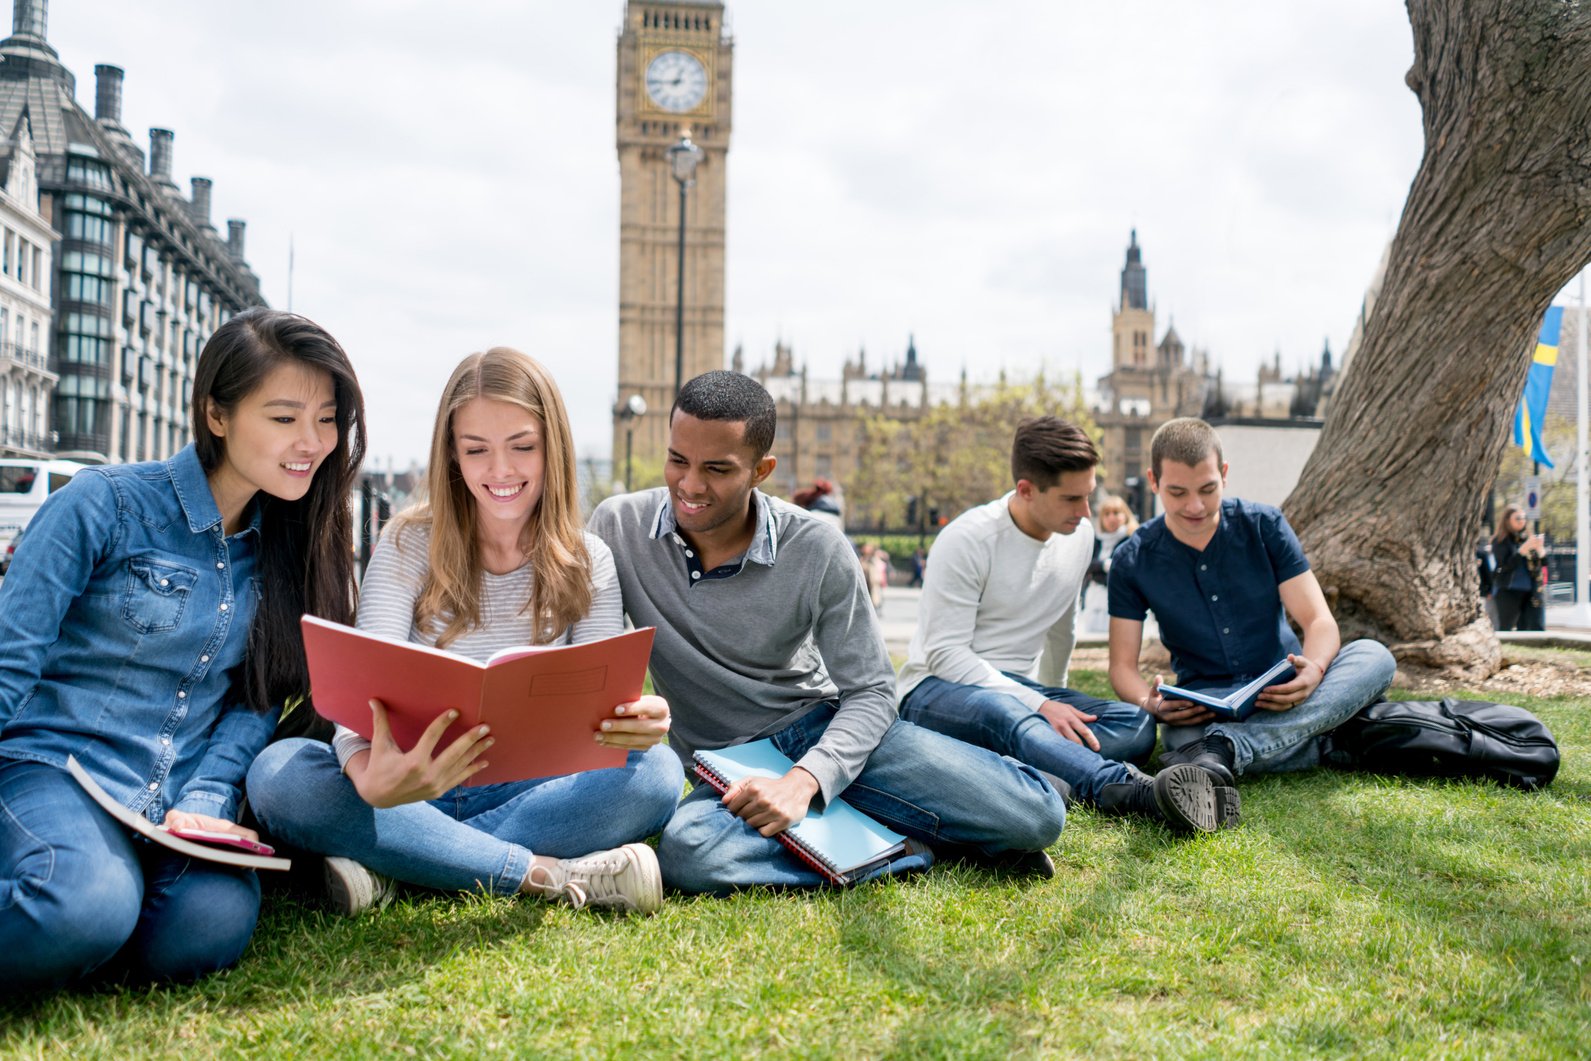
(674, 75)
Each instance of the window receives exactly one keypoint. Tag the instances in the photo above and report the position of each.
(89, 228)
(90, 174)
(80, 288)
(825, 431)
(90, 204)
(86, 262)
(87, 324)
(84, 349)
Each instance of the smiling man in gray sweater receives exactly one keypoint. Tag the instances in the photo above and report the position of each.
(765, 629)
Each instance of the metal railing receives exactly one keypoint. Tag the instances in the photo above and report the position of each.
(23, 356)
(39, 442)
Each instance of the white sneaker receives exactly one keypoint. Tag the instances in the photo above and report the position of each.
(353, 888)
(625, 878)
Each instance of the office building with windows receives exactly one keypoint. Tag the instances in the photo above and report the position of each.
(141, 276)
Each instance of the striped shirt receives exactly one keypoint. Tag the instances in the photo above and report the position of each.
(393, 581)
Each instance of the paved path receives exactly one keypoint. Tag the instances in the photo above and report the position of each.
(900, 622)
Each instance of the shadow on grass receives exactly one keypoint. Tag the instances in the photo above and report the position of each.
(299, 950)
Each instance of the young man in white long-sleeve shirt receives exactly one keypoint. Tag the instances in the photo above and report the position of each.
(1001, 592)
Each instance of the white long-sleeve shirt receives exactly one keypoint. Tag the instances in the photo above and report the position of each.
(995, 600)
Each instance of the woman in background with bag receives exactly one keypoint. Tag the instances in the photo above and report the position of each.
(1517, 580)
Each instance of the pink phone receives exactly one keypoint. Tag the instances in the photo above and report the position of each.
(210, 836)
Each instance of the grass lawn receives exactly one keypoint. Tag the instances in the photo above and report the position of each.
(1349, 915)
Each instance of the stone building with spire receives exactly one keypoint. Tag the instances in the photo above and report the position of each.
(140, 276)
(1149, 382)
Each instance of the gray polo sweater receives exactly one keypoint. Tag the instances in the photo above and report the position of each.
(739, 658)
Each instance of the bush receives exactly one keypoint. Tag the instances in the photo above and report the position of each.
(899, 547)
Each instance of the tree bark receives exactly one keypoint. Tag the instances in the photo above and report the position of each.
(1497, 221)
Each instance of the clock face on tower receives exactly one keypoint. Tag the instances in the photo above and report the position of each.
(676, 81)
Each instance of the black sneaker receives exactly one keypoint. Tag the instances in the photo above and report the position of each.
(1015, 863)
(1213, 754)
(1183, 796)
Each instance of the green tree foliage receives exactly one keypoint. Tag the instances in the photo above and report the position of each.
(1557, 483)
(953, 456)
(647, 474)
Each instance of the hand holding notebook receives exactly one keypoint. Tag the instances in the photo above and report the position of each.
(771, 805)
(1233, 702)
(839, 841)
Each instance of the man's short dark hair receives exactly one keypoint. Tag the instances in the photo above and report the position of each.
(733, 397)
(1045, 447)
(1186, 440)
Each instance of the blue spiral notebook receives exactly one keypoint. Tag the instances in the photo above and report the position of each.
(1235, 703)
(838, 841)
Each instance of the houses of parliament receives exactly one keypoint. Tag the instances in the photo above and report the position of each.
(675, 75)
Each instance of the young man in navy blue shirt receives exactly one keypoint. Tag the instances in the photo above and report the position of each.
(1223, 576)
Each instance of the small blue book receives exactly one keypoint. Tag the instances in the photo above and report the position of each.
(838, 841)
(1237, 702)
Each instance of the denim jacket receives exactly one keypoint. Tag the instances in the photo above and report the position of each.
(123, 618)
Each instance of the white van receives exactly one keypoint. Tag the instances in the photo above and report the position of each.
(24, 484)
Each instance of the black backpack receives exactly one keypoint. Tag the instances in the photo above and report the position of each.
(1446, 738)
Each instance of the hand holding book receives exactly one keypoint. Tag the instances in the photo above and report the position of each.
(771, 805)
(389, 776)
(636, 725)
(1174, 712)
(199, 827)
(1290, 694)
(1233, 702)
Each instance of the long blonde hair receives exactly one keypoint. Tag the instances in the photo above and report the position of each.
(560, 565)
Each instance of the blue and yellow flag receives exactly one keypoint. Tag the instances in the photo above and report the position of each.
(1532, 411)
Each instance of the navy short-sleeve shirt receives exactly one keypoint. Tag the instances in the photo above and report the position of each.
(1220, 609)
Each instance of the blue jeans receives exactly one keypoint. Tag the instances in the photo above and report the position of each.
(1273, 742)
(1000, 722)
(924, 784)
(482, 837)
(79, 894)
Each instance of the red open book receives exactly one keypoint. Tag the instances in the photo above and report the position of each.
(543, 703)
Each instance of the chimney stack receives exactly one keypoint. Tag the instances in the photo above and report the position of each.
(160, 156)
(108, 94)
(199, 209)
(28, 18)
(234, 238)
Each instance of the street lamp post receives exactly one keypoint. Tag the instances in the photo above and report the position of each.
(682, 159)
(629, 412)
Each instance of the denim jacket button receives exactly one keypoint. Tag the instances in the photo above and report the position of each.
(223, 607)
(182, 694)
(154, 786)
(204, 659)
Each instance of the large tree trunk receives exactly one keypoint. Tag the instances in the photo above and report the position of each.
(1498, 219)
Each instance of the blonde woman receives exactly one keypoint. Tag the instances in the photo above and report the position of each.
(1116, 524)
(494, 558)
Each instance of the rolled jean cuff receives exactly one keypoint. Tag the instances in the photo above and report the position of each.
(516, 867)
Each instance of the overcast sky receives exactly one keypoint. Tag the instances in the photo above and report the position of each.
(967, 172)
